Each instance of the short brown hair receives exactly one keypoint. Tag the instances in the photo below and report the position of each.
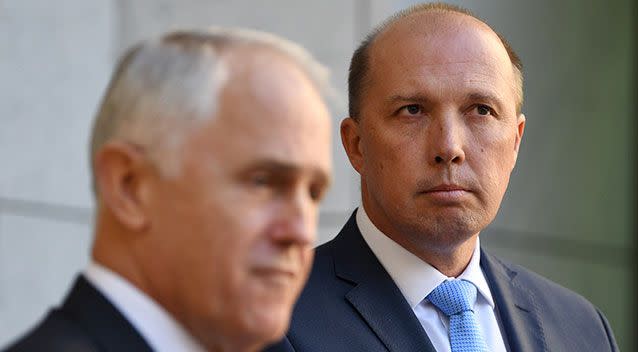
(360, 62)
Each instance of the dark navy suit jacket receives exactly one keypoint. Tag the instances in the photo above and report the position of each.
(86, 322)
(351, 303)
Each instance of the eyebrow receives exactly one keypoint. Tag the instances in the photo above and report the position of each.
(408, 98)
(282, 168)
(275, 165)
(484, 97)
(423, 100)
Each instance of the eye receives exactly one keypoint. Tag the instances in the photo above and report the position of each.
(412, 109)
(260, 179)
(317, 192)
(484, 110)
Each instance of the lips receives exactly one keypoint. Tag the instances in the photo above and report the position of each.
(275, 276)
(447, 188)
(275, 272)
(446, 193)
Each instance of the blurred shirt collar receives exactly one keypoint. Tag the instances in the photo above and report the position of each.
(160, 330)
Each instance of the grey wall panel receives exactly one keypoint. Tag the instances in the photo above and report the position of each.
(574, 176)
(38, 261)
(54, 64)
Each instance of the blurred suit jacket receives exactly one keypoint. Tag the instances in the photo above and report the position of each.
(351, 303)
(85, 322)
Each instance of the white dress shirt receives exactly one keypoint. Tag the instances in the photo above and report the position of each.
(160, 330)
(416, 279)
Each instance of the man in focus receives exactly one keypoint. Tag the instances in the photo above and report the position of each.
(434, 131)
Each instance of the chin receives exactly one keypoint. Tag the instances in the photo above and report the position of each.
(250, 331)
(268, 324)
(443, 232)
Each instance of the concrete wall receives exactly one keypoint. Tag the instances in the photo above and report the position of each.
(567, 215)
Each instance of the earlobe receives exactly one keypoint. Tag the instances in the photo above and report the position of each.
(351, 140)
(119, 174)
(520, 129)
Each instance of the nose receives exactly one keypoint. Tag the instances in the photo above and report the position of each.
(445, 140)
(297, 221)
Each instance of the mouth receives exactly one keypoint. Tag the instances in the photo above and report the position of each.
(447, 188)
(447, 193)
(275, 276)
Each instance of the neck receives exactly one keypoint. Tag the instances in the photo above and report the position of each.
(113, 248)
(450, 262)
(448, 251)
(222, 344)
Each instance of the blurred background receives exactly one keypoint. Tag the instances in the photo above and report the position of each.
(569, 211)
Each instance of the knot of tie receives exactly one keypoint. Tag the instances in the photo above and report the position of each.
(454, 296)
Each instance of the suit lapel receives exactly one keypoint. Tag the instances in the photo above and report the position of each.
(518, 311)
(375, 295)
(101, 320)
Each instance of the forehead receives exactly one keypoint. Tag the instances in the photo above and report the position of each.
(429, 47)
(269, 109)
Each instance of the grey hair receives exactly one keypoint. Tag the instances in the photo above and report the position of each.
(177, 78)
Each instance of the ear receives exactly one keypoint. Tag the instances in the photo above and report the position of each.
(520, 129)
(121, 174)
(351, 140)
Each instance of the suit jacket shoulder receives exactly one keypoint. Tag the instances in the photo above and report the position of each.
(86, 322)
(538, 312)
(55, 333)
(351, 303)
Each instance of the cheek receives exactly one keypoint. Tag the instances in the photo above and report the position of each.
(307, 256)
(218, 233)
(494, 160)
(225, 262)
(394, 155)
(496, 141)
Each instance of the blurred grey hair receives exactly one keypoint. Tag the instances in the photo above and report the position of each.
(177, 78)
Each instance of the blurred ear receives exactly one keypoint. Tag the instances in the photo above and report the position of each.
(520, 129)
(122, 173)
(351, 140)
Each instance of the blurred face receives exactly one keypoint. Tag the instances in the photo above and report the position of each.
(235, 229)
(438, 134)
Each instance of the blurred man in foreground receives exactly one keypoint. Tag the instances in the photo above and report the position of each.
(434, 131)
(210, 154)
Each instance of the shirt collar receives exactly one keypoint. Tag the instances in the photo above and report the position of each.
(414, 277)
(155, 324)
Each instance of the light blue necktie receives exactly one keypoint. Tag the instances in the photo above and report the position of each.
(455, 298)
